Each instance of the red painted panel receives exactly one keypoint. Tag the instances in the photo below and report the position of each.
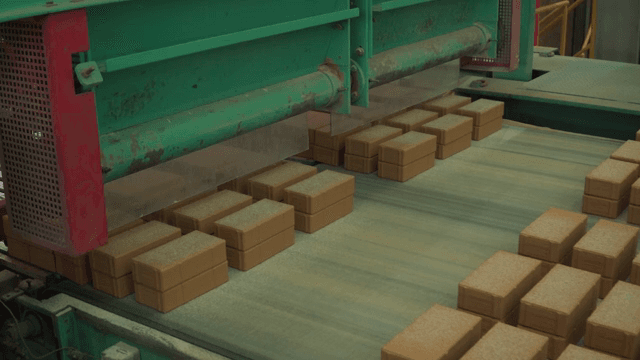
(76, 132)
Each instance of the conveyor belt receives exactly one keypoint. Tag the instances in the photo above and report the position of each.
(345, 291)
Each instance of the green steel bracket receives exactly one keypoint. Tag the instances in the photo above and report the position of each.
(88, 75)
(194, 47)
(397, 4)
(65, 330)
(361, 52)
(20, 9)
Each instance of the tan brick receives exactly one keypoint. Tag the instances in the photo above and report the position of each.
(604, 207)
(483, 111)
(612, 179)
(505, 342)
(404, 173)
(552, 235)
(271, 184)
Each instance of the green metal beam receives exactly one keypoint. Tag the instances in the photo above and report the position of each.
(397, 4)
(171, 52)
(410, 59)
(139, 147)
(20, 9)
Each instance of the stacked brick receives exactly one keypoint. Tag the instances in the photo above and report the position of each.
(493, 291)
(111, 264)
(315, 120)
(257, 233)
(446, 105)
(329, 149)
(608, 187)
(179, 271)
(362, 148)
(573, 352)
(559, 305)
(608, 250)
(504, 342)
(439, 333)
(633, 215)
(614, 327)
(241, 184)
(453, 133)
(202, 214)
(406, 156)
(412, 120)
(271, 184)
(321, 200)
(551, 237)
(487, 117)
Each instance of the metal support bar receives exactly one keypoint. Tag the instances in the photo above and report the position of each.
(137, 148)
(397, 4)
(407, 60)
(171, 52)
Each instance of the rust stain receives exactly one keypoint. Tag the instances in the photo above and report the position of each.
(154, 158)
(134, 145)
(328, 62)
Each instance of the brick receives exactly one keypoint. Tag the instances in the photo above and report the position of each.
(271, 184)
(323, 138)
(446, 105)
(561, 301)
(114, 258)
(361, 164)
(492, 127)
(573, 352)
(307, 154)
(319, 191)
(558, 344)
(407, 148)
(241, 184)
(629, 152)
(168, 213)
(489, 322)
(367, 142)
(612, 179)
(504, 342)
(412, 120)
(633, 215)
(123, 228)
(317, 120)
(614, 327)
(42, 258)
(328, 156)
(449, 128)
(178, 261)
(18, 249)
(452, 148)
(312, 223)
(635, 271)
(183, 293)
(440, 333)
(606, 285)
(117, 287)
(552, 235)
(202, 214)
(495, 288)
(74, 268)
(607, 249)
(635, 193)
(404, 173)
(248, 259)
(604, 207)
(255, 223)
(482, 111)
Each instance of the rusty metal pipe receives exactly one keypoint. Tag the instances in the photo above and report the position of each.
(140, 147)
(407, 60)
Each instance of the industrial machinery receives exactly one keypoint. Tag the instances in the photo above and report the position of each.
(100, 96)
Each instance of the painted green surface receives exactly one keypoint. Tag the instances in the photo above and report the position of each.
(18, 9)
(361, 38)
(411, 24)
(137, 95)
(527, 28)
(396, 4)
(139, 147)
(76, 333)
(345, 291)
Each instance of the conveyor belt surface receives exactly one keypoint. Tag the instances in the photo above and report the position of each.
(345, 291)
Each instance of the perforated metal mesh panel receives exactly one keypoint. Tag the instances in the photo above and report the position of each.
(504, 42)
(28, 155)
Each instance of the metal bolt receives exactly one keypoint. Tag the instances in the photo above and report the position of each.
(360, 51)
(354, 95)
(354, 68)
(88, 71)
(338, 26)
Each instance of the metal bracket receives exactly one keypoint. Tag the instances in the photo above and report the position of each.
(89, 75)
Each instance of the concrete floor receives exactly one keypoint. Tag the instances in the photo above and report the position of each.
(345, 291)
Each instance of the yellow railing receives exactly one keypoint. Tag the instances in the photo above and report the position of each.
(560, 13)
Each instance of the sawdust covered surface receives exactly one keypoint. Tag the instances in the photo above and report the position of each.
(253, 214)
(320, 182)
(137, 237)
(179, 249)
(412, 137)
(481, 105)
(447, 122)
(554, 225)
(413, 116)
(501, 273)
(213, 203)
(448, 101)
(614, 171)
(376, 132)
(620, 309)
(505, 342)
(283, 173)
(607, 238)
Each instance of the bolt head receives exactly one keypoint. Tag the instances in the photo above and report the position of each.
(354, 94)
(360, 51)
